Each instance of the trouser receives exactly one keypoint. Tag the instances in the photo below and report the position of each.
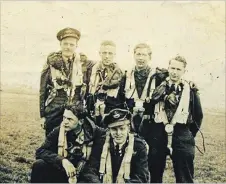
(182, 164)
(43, 172)
(137, 119)
(54, 112)
(182, 157)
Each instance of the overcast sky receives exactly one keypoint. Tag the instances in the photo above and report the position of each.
(195, 30)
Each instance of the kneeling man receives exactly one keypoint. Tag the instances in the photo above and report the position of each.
(120, 157)
(66, 149)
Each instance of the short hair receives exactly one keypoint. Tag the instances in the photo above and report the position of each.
(107, 42)
(82, 54)
(180, 59)
(143, 45)
(77, 109)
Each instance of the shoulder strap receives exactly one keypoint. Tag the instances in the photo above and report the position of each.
(149, 85)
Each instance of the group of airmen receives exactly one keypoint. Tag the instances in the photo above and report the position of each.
(106, 125)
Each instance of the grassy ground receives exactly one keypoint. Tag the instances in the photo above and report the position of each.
(21, 134)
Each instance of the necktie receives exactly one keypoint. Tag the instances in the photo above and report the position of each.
(104, 75)
(172, 88)
(117, 150)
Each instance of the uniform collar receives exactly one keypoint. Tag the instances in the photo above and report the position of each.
(171, 82)
(71, 58)
(120, 145)
(177, 84)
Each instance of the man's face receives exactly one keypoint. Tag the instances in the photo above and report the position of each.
(107, 54)
(68, 46)
(70, 121)
(119, 133)
(141, 57)
(176, 70)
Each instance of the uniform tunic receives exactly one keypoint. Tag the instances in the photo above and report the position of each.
(139, 165)
(87, 67)
(104, 87)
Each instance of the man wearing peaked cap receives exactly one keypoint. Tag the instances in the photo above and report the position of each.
(67, 148)
(68, 32)
(117, 117)
(120, 157)
(61, 79)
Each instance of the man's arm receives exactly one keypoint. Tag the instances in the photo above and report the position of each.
(43, 89)
(196, 111)
(53, 60)
(122, 88)
(139, 166)
(49, 150)
(159, 93)
(93, 79)
(90, 172)
(115, 79)
(89, 71)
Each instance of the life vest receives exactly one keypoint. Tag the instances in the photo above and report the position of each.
(96, 78)
(76, 80)
(180, 116)
(105, 169)
(130, 88)
(62, 145)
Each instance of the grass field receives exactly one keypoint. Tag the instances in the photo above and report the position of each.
(21, 134)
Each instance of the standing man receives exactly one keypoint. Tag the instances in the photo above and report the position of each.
(138, 86)
(67, 148)
(87, 66)
(61, 79)
(105, 80)
(120, 157)
(176, 120)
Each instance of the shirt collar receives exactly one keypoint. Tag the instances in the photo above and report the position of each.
(171, 82)
(177, 84)
(71, 58)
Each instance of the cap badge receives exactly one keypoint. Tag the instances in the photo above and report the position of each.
(116, 115)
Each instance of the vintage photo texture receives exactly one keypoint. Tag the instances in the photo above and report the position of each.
(194, 30)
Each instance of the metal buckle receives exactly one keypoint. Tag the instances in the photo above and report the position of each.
(101, 176)
(169, 128)
(138, 109)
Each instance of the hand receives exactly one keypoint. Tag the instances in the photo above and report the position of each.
(172, 98)
(105, 87)
(42, 122)
(72, 180)
(193, 86)
(69, 168)
(100, 83)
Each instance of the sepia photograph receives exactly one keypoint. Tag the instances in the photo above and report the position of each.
(112, 92)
